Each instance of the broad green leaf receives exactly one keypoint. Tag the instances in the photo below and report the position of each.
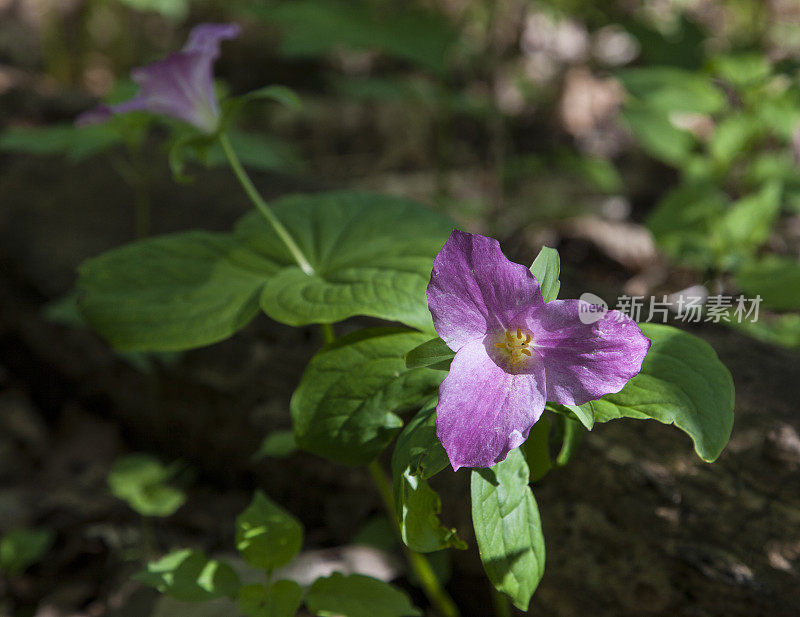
(433, 353)
(140, 481)
(174, 292)
(278, 444)
(682, 382)
(281, 599)
(346, 404)
(267, 536)
(668, 89)
(372, 255)
(547, 268)
(658, 136)
(775, 279)
(22, 548)
(357, 595)
(418, 455)
(508, 528)
(190, 576)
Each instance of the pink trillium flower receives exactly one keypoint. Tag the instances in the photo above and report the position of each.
(180, 86)
(514, 352)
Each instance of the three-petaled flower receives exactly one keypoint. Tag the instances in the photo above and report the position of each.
(180, 86)
(514, 352)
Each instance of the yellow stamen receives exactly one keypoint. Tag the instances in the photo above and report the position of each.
(516, 347)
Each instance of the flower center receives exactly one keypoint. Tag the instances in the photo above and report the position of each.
(516, 346)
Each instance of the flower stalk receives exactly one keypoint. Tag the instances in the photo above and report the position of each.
(261, 205)
(438, 597)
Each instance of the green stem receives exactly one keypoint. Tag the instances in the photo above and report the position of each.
(262, 206)
(328, 334)
(438, 597)
(500, 601)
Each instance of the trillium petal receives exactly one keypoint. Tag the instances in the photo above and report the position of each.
(483, 411)
(205, 38)
(103, 113)
(585, 361)
(474, 289)
(180, 86)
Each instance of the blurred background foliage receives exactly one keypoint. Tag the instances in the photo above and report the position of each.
(665, 134)
(654, 142)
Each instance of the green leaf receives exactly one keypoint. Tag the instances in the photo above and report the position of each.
(372, 255)
(508, 528)
(547, 268)
(433, 353)
(315, 27)
(582, 413)
(748, 223)
(139, 480)
(658, 136)
(189, 576)
(278, 444)
(76, 143)
(276, 93)
(743, 69)
(731, 137)
(668, 89)
(357, 596)
(418, 455)
(267, 536)
(173, 292)
(682, 382)
(775, 279)
(282, 599)
(21, 548)
(783, 330)
(685, 222)
(777, 112)
(174, 9)
(346, 404)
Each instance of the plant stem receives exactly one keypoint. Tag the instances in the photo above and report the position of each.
(262, 206)
(438, 597)
(500, 601)
(328, 334)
